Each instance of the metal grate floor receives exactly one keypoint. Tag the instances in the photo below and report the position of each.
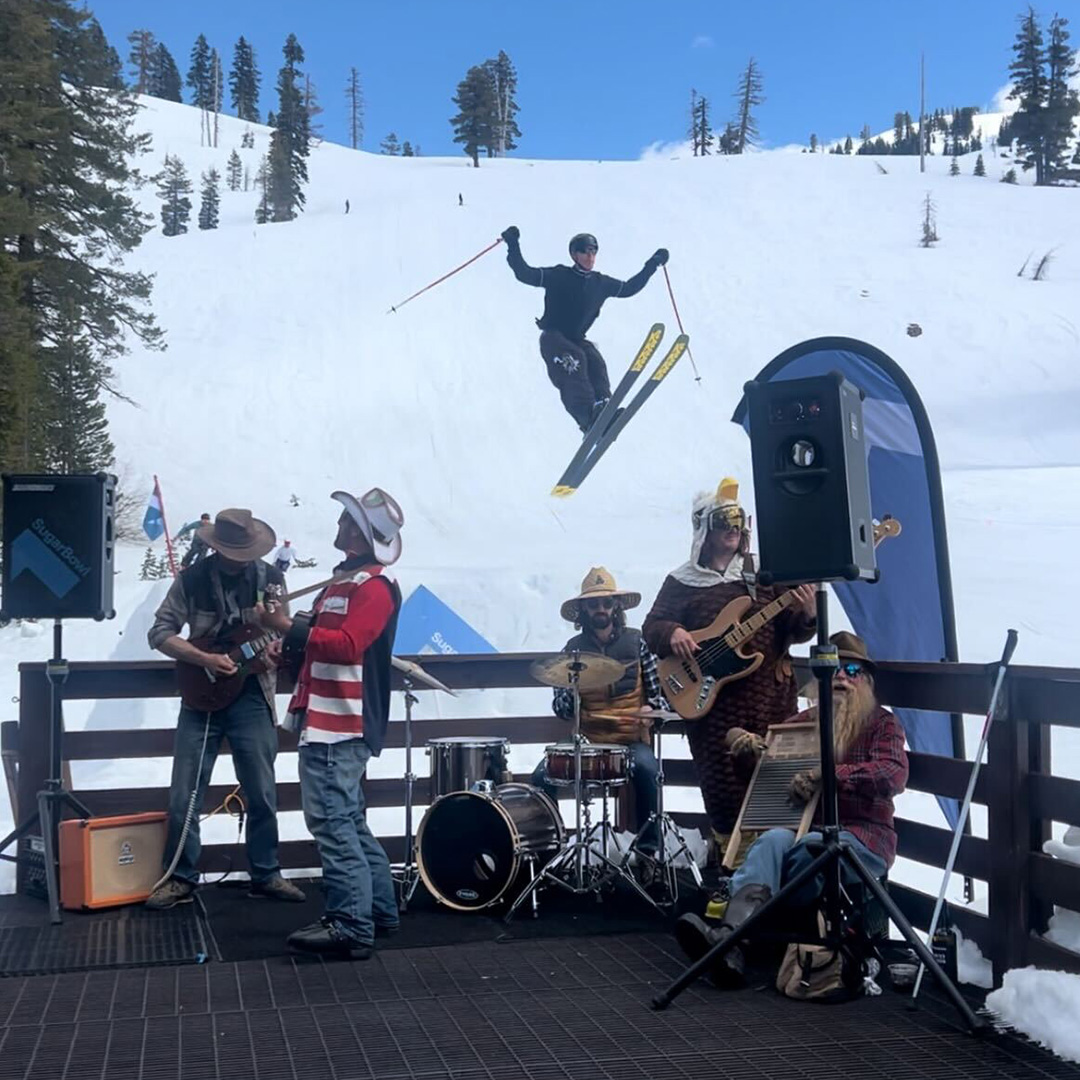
(561, 1009)
(126, 937)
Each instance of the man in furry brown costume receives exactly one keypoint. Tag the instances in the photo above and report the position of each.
(719, 570)
(872, 768)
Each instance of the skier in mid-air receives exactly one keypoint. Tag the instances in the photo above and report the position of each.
(573, 296)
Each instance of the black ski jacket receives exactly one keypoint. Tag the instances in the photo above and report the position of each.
(572, 296)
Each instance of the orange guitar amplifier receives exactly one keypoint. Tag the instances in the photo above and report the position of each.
(105, 862)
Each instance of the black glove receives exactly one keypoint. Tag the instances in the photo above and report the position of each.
(511, 235)
(659, 257)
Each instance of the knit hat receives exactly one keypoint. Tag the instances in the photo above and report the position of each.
(598, 582)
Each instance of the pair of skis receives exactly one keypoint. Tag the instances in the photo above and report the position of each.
(611, 421)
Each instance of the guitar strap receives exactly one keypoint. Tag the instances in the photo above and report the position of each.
(749, 573)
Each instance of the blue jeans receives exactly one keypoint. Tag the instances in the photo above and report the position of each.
(643, 777)
(775, 858)
(249, 727)
(356, 872)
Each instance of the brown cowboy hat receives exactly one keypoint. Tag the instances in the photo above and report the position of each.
(598, 582)
(852, 647)
(238, 535)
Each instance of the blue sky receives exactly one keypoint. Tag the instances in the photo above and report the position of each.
(606, 79)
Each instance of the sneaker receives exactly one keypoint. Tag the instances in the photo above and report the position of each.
(277, 888)
(169, 894)
(328, 939)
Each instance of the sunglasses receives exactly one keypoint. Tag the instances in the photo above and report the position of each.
(852, 670)
(606, 604)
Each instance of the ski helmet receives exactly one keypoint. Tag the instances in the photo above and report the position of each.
(583, 241)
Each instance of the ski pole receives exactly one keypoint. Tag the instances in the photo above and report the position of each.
(1003, 664)
(697, 377)
(439, 281)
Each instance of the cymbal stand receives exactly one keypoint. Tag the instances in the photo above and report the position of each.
(665, 830)
(408, 875)
(578, 855)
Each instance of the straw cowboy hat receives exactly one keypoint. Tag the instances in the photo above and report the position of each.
(598, 582)
(380, 520)
(852, 647)
(238, 535)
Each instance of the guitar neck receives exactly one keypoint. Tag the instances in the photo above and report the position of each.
(749, 627)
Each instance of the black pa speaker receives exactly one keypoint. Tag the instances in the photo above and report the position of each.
(811, 482)
(58, 542)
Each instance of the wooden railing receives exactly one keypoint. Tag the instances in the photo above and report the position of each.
(1016, 785)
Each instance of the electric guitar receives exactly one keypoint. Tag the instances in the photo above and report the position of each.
(206, 691)
(691, 686)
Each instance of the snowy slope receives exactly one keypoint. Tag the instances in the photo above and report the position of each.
(285, 375)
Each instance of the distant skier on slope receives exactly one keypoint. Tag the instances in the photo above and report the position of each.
(573, 296)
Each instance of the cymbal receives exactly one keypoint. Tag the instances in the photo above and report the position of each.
(593, 671)
(415, 671)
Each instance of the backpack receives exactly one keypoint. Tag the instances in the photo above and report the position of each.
(822, 973)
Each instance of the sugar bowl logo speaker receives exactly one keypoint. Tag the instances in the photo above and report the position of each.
(811, 483)
(58, 544)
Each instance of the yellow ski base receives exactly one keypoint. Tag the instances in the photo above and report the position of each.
(561, 491)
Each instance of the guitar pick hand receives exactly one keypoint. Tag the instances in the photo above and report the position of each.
(219, 664)
(271, 617)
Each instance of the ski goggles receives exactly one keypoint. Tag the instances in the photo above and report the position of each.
(721, 519)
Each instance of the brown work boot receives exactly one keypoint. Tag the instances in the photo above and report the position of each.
(277, 888)
(696, 937)
(170, 893)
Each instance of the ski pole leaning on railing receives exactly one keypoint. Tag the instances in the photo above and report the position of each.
(675, 308)
(1003, 664)
(439, 281)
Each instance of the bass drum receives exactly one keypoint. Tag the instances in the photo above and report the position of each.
(472, 846)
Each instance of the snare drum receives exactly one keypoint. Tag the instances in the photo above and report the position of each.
(471, 846)
(601, 763)
(460, 762)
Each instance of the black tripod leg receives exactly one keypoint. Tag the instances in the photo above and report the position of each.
(47, 813)
(699, 967)
(913, 939)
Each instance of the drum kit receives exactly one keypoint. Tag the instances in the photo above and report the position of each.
(486, 840)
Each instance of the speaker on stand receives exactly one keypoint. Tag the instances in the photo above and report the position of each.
(57, 550)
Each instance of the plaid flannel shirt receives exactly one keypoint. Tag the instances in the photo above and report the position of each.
(562, 704)
(874, 770)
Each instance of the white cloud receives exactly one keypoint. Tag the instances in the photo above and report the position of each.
(702, 41)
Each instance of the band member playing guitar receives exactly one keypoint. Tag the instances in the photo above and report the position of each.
(719, 570)
(234, 698)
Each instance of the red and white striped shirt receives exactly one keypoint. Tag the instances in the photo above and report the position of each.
(350, 616)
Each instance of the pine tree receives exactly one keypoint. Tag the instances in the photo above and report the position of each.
(247, 139)
(929, 223)
(1030, 89)
(728, 142)
(813, 143)
(166, 83)
(476, 110)
(313, 109)
(864, 135)
(244, 79)
(142, 57)
(693, 123)
(271, 119)
(354, 95)
(217, 92)
(980, 168)
(233, 171)
(504, 128)
(291, 141)
(1062, 102)
(703, 134)
(390, 145)
(174, 187)
(954, 167)
(200, 80)
(406, 149)
(75, 430)
(1009, 177)
(262, 182)
(148, 570)
(67, 218)
(749, 96)
(210, 201)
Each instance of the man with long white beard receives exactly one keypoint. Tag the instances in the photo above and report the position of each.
(872, 768)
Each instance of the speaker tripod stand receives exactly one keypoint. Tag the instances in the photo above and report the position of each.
(836, 856)
(52, 799)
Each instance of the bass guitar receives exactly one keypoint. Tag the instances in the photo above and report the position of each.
(206, 691)
(691, 686)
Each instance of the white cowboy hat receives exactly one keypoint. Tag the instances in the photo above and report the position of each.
(380, 520)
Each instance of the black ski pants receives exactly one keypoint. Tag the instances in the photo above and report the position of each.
(579, 372)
